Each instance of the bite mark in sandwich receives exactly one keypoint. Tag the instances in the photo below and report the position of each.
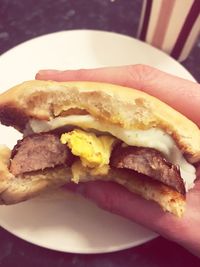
(38, 152)
(82, 131)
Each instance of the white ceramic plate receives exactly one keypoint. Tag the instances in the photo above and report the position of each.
(64, 222)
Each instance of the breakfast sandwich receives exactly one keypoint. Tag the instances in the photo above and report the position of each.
(86, 131)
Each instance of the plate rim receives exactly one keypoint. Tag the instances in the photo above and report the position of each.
(103, 32)
(86, 251)
(98, 250)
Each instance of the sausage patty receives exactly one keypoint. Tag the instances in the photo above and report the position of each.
(41, 151)
(150, 162)
(38, 152)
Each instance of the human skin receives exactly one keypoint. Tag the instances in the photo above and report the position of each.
(182, 95)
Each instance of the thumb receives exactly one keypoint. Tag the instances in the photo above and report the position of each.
(181, 94)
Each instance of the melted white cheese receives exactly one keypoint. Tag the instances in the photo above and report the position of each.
(152, 138)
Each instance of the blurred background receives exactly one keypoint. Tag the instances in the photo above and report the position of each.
(21, 20)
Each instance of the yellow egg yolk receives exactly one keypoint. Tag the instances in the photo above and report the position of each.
(93, 151)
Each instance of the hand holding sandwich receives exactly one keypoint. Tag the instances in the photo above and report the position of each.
(182, 95)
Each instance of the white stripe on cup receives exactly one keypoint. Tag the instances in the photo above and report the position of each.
(175, 24)
(153, 19)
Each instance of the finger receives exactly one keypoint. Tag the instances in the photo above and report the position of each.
(116, 199)
(181, 94)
